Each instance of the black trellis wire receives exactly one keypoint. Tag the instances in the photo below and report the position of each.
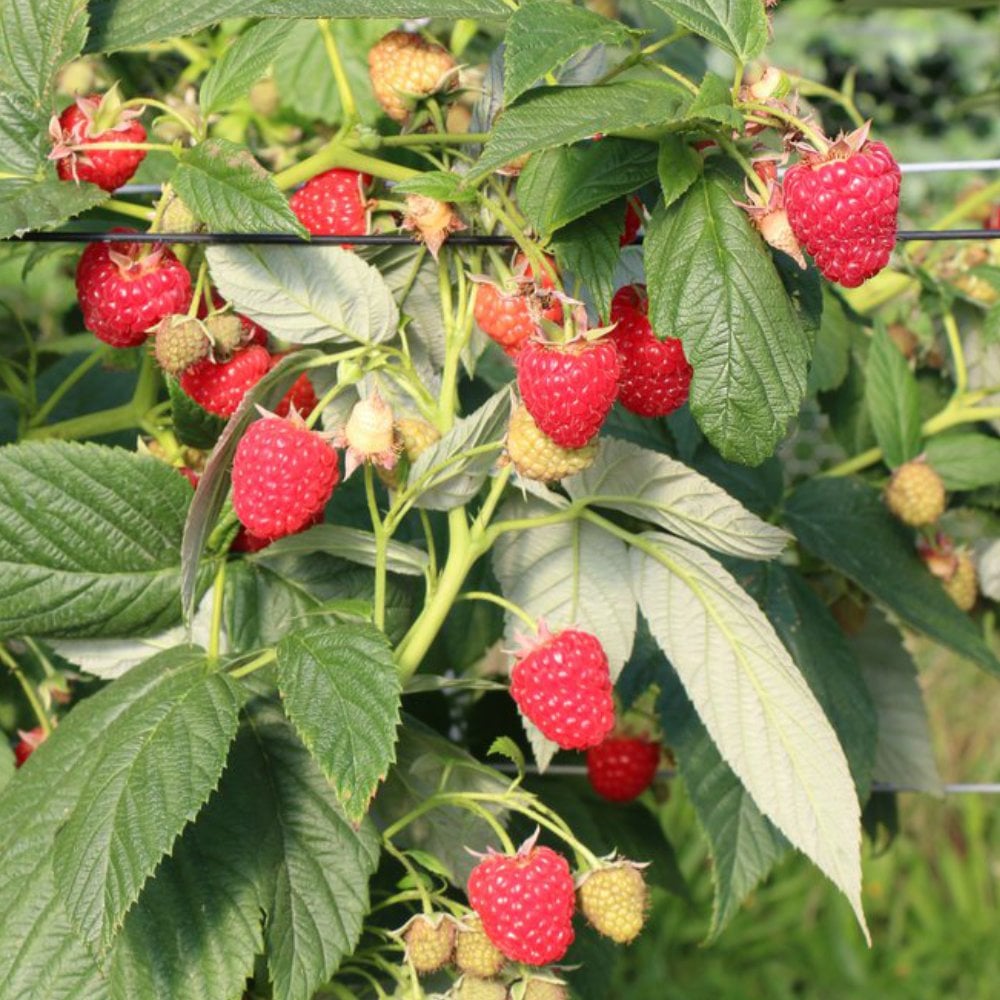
(387, 239)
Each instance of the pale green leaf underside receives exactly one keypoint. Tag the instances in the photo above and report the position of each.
(350, 543)
(230, 191)
(341, 690)
(157, 767)
(89, 541)
(665, 492)
(445, 484)
(306, 295)
(755, 704)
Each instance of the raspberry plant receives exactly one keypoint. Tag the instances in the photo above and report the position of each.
(258, 723)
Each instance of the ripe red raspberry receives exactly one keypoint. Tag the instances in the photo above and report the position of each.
(842, 206)
(655, 375)
(91, 120)
(302, 395)
(124, 291)
(633, 223)
(569, 389)
(333, 204)
(29, 741)
(283, 476)
(404, 68)
(219, 387)
(621, 768)
(562, 684)
(511, 316)
(526, 903)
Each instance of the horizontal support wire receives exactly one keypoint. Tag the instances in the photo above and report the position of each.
(385, 239)
(579, 770)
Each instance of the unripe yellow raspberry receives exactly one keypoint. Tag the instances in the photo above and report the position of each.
(475, 953)
(962, 587)
(545, 989)
(430, 940)
(477, 988)
(404, 67)
(614, 900)
(537, 456)
(915, 494)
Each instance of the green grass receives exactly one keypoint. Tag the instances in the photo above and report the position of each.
(932, 899)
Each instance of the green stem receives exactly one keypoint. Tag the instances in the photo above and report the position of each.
(677, 77)
(337, 154)
(118, 418)
(809, 88)
(433, 139)
(127, 208)
(818, 141)
(94, 358)
(470, 801)
(514, 609)
(400, 856)
(425, 523)
(745, 165)
(263, 660)
(30, 694)
(149, 147)
(218, 601)
(142, 102)
(381, 547)
(957, 354)
(347, 102)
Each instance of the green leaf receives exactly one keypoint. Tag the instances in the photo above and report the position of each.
(241, 65)
(193, 425)
(892, 400)
(37, 38)
(439, 184)
(964, 461)
(589, 249)
(302, 69)
(821, 652)
(713, 284)
(158, 766)
(197, 925)
(350, 543)
(213, 487)
(27, 206)
(7, 769)
(904, 754)
(557, 116)
(222, 183)
(543, 34)
(558, 186)
(317, 889)
(307, 295)
(445, 482)
(832, 353)
(341, 691)
(745, 844)
(21, 138)
(118, 24)
(738, 26)
(89, 541)
(42, 956)
(845, 523)
(426, 764)
(755, 704)
(678, 166)
(656, 488)
(713, 104)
